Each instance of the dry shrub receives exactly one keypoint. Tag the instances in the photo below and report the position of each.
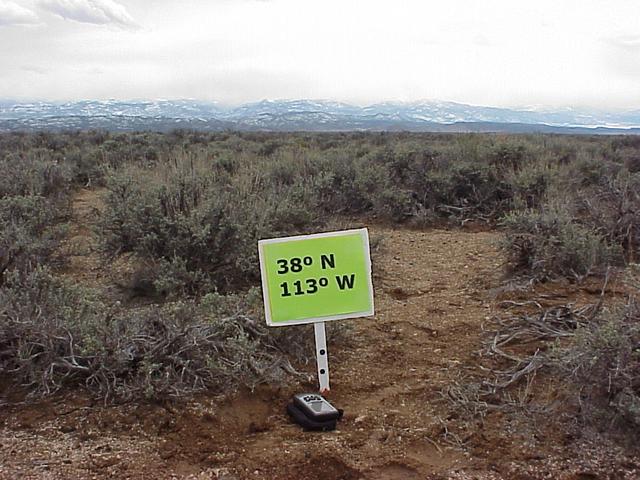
(548, 244)
(33, 207)
(200, 233)
(38, 172)
(55, 335)
(604, 362)
(613, 208)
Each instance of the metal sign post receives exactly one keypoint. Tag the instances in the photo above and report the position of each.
(322, 356)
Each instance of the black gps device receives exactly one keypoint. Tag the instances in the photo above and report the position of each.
(315, 406)
(313, 412)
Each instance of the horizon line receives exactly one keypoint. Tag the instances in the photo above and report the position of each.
(526, 108)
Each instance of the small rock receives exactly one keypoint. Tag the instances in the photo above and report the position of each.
(360, 419)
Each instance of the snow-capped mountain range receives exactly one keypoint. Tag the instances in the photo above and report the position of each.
(307, 115)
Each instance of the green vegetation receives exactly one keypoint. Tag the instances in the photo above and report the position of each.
(187, 209)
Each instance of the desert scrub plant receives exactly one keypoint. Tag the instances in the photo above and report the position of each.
(589, 170)
(613, 208)
(508, 155)
(447, 186)
(36, 173)
(550, 243)
(530, 184)
(335, 186)
(46, 329)
(460, 190)
(604, 362)
(203, 231)
(379, 196)
(34, 190)
(30, 229)
(54, 334)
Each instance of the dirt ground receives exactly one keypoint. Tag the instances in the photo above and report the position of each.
(436, 291)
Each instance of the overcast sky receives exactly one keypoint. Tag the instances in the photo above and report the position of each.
(486, 52)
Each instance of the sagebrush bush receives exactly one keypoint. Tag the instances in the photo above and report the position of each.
(30, 229)
(202, 231)
(529, 185)
(54, 334)
(34, 189)
(509, 155)
(604, 361)
(36, 173)
(613, 208)
(550, 244)
(336, 189)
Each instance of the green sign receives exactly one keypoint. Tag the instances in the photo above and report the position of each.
(316, 278)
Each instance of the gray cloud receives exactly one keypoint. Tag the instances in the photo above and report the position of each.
(14, 14)
(244, 50)
(97, 12)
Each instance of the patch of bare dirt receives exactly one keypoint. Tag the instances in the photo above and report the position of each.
(435, 291)
(84, 265)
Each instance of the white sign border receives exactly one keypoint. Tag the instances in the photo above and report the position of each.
(364, 232)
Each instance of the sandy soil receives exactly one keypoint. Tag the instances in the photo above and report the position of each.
(436, 291)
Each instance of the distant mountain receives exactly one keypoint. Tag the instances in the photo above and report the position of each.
(307, 115)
